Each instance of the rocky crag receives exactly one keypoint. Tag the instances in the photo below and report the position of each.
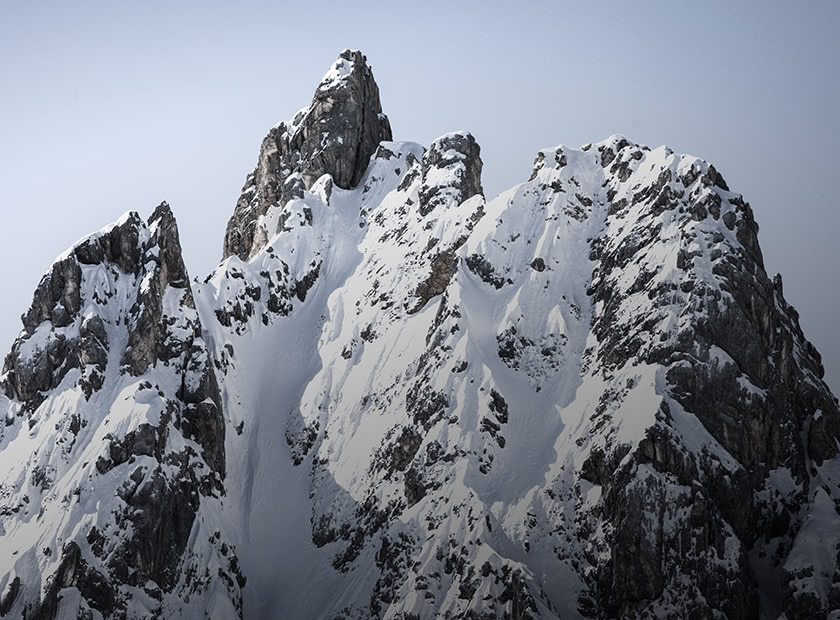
(113, 443)
(394, 398)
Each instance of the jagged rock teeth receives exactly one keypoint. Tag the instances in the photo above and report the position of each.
(335, 135)
(624, 283)
(164, 267)
(344, 124)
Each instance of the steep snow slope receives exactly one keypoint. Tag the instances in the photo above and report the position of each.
(266, 369)
(582, 399)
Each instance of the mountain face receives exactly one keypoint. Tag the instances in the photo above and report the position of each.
(393, 398)
(112, 450)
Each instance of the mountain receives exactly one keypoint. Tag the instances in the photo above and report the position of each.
(112, 450)
(393, 398)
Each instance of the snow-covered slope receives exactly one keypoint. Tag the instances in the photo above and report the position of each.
(582, 399)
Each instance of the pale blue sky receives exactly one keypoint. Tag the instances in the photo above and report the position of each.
(107, 107)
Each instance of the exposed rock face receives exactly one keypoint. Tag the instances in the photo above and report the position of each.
(451, 172)
(146, 344)
(29, 372)
(111, 385)
(336, 135)
(584, 398)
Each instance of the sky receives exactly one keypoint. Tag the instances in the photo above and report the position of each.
(111, 107)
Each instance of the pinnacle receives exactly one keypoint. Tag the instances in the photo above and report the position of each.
(336, 135)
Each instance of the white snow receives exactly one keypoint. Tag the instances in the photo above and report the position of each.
(335, 377)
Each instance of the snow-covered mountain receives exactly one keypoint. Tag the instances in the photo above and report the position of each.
(395, 399)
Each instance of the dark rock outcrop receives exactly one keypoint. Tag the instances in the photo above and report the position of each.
(336, 135)
(164, 267)
(451, 174)
(455, 160)
(741, 364)
(55, 337)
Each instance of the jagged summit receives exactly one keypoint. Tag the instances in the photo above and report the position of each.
(113, 439)
(335, 135)
(148, 250)
(342, 71)
(584, 398)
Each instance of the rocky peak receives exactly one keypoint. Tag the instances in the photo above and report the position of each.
(451, 171)
(137, 440)
(584, 398)
(344, 124)
(163, 267)
(65, 327)
(61, 331)
(335, 135)
(164, 231)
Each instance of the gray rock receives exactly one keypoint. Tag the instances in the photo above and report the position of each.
(443, 267)
(674, 526)
(760, 332)
(460, 155)
(75, 572)
(336, 135)
(146, 344)
(456, 158)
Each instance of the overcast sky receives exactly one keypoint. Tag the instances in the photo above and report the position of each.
(108, 107)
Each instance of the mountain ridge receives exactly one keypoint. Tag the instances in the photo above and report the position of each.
(582, 398)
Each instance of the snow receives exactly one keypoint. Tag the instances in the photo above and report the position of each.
(324, 389)
(125, 218)
(331, 378)
(51, 488)
(358, 353)
(261, 389)
(337, 73)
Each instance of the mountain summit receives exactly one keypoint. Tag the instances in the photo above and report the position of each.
(335, 135)
(393, 398)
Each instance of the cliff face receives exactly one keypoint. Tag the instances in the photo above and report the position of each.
(335, 135)
(394, 398)
(113, 445)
